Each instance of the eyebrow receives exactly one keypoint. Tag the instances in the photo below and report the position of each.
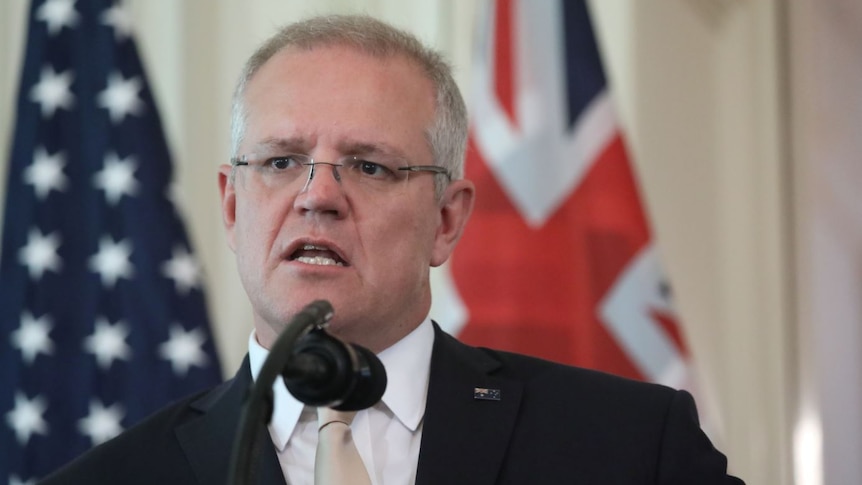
(289, 145)
(361, 148)
(346, 147)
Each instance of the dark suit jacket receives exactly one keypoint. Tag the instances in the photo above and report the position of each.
(552, 424)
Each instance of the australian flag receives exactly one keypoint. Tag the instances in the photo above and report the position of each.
(102, 314)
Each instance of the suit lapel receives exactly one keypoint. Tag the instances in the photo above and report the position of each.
(208, 440)
(464, 439)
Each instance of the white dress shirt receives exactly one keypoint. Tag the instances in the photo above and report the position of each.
(387, 435)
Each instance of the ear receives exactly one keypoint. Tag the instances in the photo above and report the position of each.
(228, 203)
(455, 207)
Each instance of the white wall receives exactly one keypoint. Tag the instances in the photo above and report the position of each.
(702, 89)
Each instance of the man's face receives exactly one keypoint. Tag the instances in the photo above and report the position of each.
(328, 103)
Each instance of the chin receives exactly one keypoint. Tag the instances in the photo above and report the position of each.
(281, 313)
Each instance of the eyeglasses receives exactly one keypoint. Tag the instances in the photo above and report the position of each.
(352, 172)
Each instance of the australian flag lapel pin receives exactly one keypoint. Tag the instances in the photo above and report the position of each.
(485, 394)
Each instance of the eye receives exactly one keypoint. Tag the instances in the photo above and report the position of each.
(371, 168)
(367, 169)
(284, 163)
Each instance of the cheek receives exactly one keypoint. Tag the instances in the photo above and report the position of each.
(244, 225)
(414, 237)
(255, 228)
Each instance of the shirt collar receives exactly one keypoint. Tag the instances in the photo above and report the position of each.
(286, 409)
(407, 363)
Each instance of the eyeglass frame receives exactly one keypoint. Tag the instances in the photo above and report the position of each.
(244, 161)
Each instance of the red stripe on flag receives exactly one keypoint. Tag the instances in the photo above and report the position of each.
(537, 291)
(504, 63)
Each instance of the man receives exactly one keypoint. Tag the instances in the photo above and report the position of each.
(345, 185)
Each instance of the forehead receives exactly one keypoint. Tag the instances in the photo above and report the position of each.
(338, 93)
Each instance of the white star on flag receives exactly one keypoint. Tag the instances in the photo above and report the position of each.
(183, 349)
(46, 173)
(53, 91)
(120, 98)
(117, 177)
(108, 342)
(183, 269)
(112, 260)
(40, 253)
(121, 21)
(58, 14)
(32, 337)
(102, 423)
(26, 418)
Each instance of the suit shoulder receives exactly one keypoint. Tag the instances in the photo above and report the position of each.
(534, 368)
(543, 376)
(140, 451)
(527, 365)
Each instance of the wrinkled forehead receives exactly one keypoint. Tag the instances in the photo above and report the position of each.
(340, 96)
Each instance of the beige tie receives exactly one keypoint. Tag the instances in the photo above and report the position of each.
(337, 461)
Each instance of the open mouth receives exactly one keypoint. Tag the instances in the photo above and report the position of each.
(317, 255)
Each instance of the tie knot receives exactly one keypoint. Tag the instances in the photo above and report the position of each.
(327, 416)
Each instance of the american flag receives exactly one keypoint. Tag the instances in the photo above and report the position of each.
(102, 314)
(558, 260)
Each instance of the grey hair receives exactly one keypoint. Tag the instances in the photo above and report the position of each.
(447, 133)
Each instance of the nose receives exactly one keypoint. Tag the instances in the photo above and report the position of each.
(323, 192)
(313, 170)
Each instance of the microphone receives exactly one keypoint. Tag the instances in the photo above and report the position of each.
(318, 369)
(323, 370)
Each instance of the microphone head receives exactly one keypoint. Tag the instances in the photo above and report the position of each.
(347, 377)
(370, 378)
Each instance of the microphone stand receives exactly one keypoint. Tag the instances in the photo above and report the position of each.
(258, 408)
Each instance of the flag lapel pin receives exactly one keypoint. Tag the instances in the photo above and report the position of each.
(485, 394)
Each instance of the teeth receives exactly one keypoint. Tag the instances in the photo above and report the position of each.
(312, 247)
(319, 260)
